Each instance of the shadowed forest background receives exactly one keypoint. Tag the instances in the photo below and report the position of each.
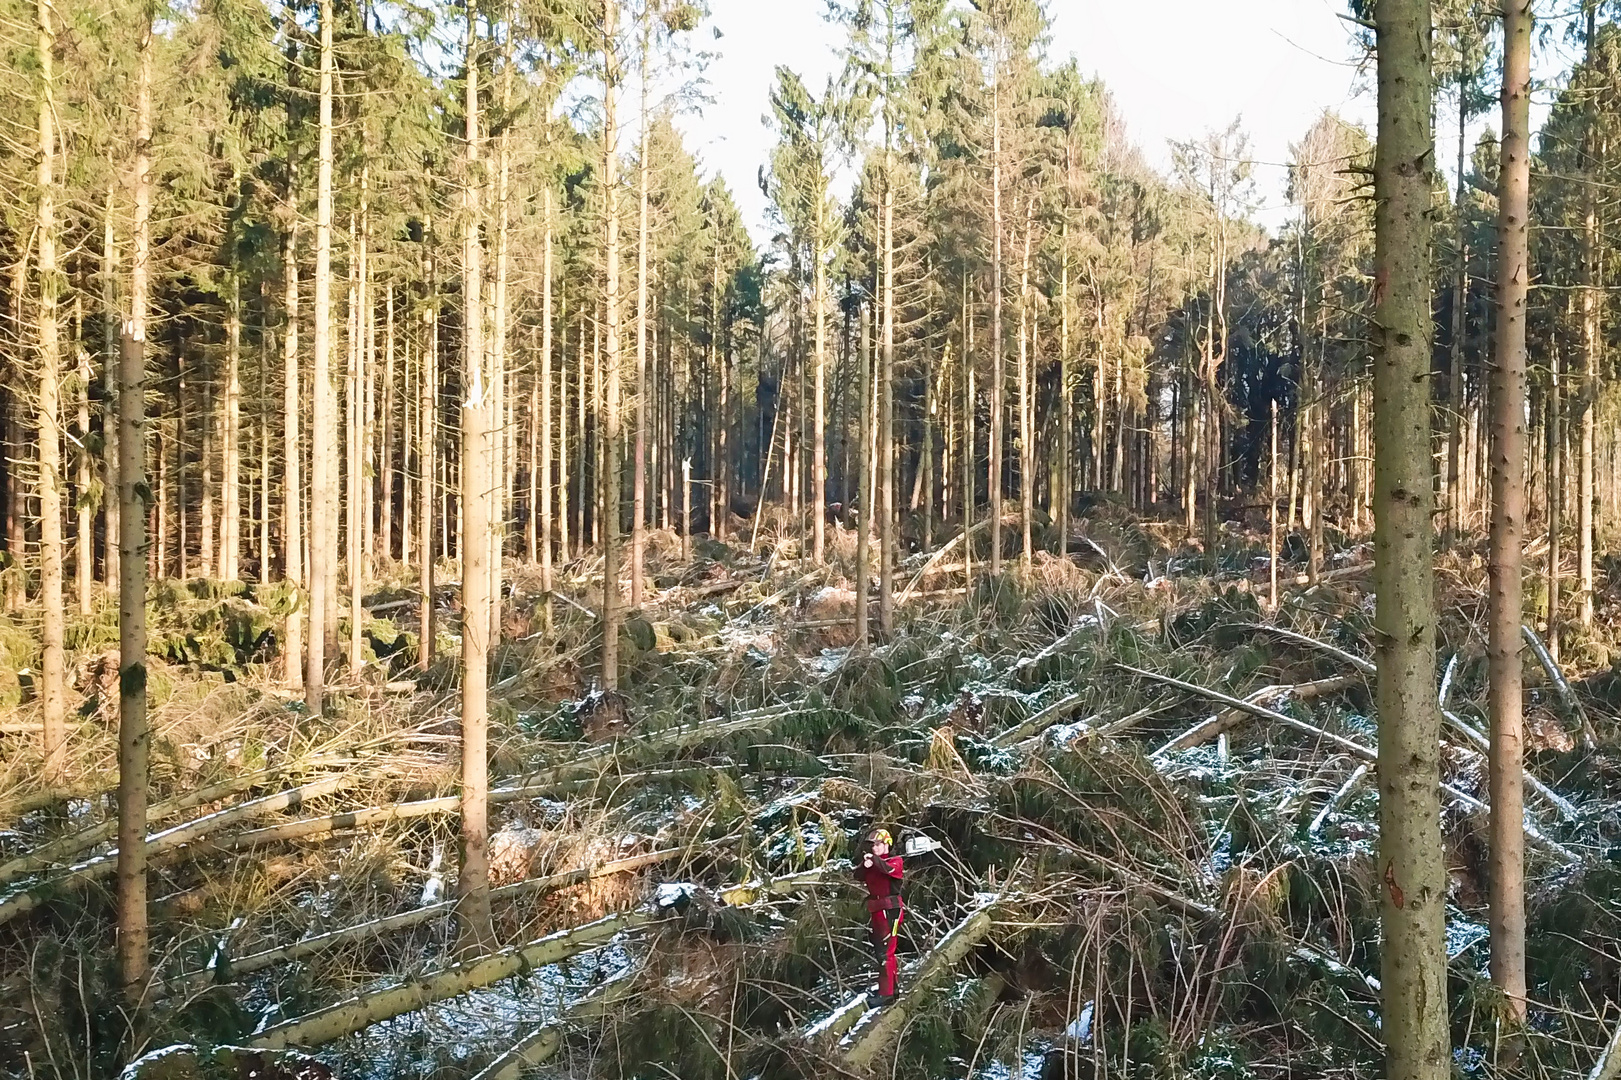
(466, 600)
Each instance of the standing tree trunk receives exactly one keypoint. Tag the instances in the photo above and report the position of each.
(886, 420)
(134, 965)
(111, 353)
(610, 410)
(997, 375)
(1508, 516)
(323, 434)
(1460, 304)
(473, 883)
(546, 404)
(1555, 439)
(385, 459)
(1027, 449)
(292, 554)
(52, 676)
(819, 419)
(1412, 864)
(864, 497)
(1066, 400)
(1592, 296)
(638, 513)
(230, 553)
(428, 454)
(84, 563)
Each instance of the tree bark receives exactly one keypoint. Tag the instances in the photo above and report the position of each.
(638, 514)
(292, 554)
(611, 423)
(134, 964)
(1413, 868)
(546, 403)
(864, 499)
(886, 418)
(230, 553)
(1507, 899)
(473, 882)
(53, 691)
(997, 376)
(323, 434)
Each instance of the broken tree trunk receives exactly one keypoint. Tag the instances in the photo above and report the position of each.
(361, 1011)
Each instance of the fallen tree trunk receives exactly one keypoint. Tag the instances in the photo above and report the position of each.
(1348, 745)
(1608, 1065)
(1226, 720)
(542, 1044)
(312, 946)
(1356, 749)
(26, 900)
(48, 855)
(1567, 696)
(864, 1043)
(361, 1011)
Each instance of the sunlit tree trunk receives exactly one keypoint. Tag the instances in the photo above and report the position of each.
(473, 884)
(997, 376)
(886, 418)
(134, 964)
(610, 404)
(428, 455)
(546, 526)
(1508, 516)
(1027, 454)
(638, 514)
(1412, 865)
(292, 553)
(109, 420)
(323, 496)
(53, 692)
(230, 553)
(864, 500)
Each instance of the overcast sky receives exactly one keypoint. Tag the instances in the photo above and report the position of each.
(1177, 68)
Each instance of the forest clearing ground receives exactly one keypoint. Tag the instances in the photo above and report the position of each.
(1181, 884)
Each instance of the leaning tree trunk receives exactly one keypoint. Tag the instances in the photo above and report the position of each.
(1413, 865)
(473, 883)
(134, 965)
(1508, 516)
(52, 676)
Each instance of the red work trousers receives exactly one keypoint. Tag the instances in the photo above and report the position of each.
(886, 927)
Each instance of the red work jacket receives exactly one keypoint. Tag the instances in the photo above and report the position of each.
(883, 882)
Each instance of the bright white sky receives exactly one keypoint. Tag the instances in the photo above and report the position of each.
(1177, 68)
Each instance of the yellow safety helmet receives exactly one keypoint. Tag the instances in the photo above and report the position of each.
(882, 836)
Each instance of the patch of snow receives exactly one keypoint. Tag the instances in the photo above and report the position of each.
(674, 893)
(1080, 1028)
(433, 890)
(134, 1068)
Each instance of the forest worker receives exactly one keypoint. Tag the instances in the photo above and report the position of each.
(881, 873)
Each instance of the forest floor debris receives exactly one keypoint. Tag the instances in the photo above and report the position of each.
(1199, 888)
